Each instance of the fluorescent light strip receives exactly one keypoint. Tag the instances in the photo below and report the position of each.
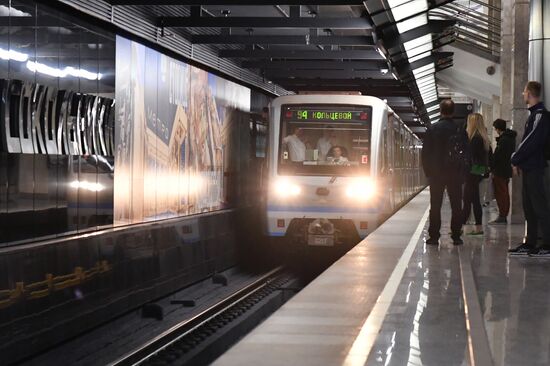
(425, 82)
(429, 95)
(61, 73)
(395, 3)
(414, 53)
(420, 56)
(407, 9)
(41, 68)
(417, 42)
(422, 69)
(428, 88)
(425, 88)
(13, 55)
(425, 73)
(409, 24)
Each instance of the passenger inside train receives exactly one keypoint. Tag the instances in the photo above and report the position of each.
(337, 149)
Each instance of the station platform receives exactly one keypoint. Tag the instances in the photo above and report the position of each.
(393, 300)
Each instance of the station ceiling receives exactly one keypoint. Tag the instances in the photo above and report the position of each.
(386, 48)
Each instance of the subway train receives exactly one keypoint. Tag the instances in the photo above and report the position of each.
(338, 165)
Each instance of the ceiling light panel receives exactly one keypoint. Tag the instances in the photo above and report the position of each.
(418, 46)
(409, 45)
(407, 9)
(426, 88)
(394, 3)
(418, 70)
(419, 56)
(415, 22)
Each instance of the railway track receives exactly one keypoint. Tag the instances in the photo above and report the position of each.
(202, 338)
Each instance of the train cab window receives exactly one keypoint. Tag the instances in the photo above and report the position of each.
(325, 139)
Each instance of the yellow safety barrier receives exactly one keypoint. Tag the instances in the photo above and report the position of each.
(51, 283)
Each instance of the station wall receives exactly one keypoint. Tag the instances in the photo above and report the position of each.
(57, 86)
(78, 154)
(154, 159)
(175, 124)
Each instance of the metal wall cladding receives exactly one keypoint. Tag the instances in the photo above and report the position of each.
(56, 124)
(51, 292)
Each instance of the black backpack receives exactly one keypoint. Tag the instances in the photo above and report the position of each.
(457, 156)
(544, 112)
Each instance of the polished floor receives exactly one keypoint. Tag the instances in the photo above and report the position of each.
(342, 318)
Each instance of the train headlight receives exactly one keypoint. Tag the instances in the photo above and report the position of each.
(362, 189)
(285, 188)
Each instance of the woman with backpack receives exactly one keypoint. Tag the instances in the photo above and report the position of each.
(480, 147)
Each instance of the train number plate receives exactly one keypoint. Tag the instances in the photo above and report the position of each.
(320, 240)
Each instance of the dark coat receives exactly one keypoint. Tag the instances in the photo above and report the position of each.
(478, 154)
(435, 146)
(530, 152)
(501, 165)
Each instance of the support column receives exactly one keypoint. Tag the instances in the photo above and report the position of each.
(507, 39)
(539, 50)
(520, 67)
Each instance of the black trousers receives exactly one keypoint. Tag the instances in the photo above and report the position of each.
(535, 207)
(454, 190)
(471, 198)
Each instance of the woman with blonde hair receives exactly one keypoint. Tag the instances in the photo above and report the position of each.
(480, 147)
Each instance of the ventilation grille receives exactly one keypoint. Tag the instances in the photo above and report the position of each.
(140, 23)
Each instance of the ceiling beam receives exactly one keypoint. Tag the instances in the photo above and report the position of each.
(365, 90)
(394, 39)
(437, 58)
(313, 65)
(291, 40)
(303, 54)
(378, 83)
(264, 22)
(236, 2)
(323, 74)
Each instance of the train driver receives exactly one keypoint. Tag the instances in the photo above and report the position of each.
(337, 155)
(295, 145)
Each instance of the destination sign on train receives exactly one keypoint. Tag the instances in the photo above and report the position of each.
(326, 115)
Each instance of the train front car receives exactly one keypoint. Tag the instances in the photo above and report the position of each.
(323, 168)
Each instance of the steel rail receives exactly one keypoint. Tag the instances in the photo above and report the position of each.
(177, 332)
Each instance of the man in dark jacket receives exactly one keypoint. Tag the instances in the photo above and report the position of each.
(440, 175)
(501, 168)
(530, 162)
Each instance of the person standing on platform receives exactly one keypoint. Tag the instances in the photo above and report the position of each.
(480, 147)
(443, 161)
(501, 169)
(529, 161)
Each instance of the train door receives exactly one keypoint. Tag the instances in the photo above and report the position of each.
(389, 152)
(398, 174)
(408, 161)
(385, 170)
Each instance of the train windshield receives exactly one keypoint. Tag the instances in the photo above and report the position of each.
(323, 139)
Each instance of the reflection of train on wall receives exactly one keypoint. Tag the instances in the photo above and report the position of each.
(338, 165)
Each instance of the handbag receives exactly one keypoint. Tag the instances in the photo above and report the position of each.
(478, 169)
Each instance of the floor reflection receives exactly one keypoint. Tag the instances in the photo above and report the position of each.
(425, 324)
